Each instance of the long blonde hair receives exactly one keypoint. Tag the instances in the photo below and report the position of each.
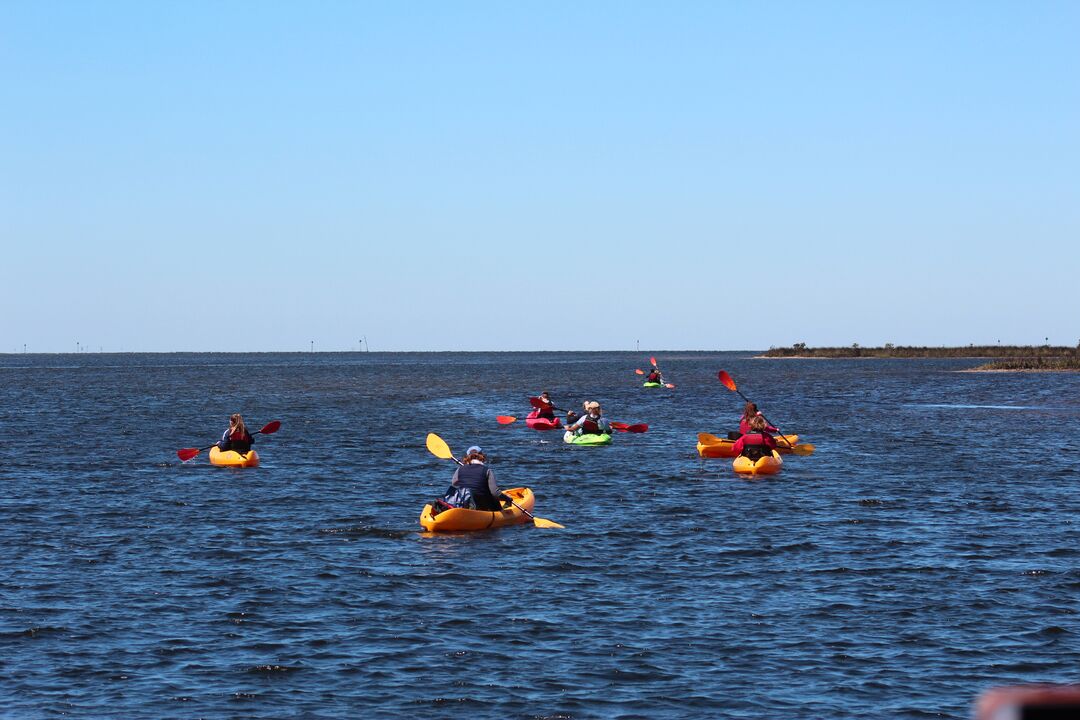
(236, 424)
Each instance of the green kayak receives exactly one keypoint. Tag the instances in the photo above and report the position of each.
(649, 384)
(587, 439)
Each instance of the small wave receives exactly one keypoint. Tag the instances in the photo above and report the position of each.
(367, 531)
(35, 632)
(271, 669)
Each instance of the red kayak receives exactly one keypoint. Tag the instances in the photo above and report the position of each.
(539, 423)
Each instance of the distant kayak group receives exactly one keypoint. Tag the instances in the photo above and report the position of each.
(474, 501)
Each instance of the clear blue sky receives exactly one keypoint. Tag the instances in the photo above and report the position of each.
(537, 175)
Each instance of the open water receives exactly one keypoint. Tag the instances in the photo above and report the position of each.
(927, 550)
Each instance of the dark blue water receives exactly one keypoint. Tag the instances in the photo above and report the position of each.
(929, 549)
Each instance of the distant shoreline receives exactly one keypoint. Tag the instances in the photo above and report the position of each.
(1004, 358)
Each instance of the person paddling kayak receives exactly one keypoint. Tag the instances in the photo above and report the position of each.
(758, 442)
(750, 412)
(547, 409)
(473, 485)
(236, 437)
(655, 376)
(592, 422)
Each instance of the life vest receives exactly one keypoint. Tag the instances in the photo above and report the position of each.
(546, 411)
(473, 477)
(654, 376)
(238, 441)
(756, 443)
(591, 427)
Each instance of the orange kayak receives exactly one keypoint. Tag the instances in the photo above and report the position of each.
(460, 519)
(231, 458)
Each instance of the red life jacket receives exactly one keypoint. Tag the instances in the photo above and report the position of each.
(763, 439)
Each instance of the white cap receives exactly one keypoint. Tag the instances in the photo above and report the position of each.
(474, 449)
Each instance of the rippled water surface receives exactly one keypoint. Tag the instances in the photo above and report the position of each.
(927, 550)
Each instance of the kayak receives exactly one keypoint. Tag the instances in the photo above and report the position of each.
(652, 384)
(587, 439)
(765, 465)
(724, 448)
(539, 423)
(231, 458)
(458, 519)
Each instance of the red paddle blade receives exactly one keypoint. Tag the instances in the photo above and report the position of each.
(187, 453)
(536, 402)
(639, 428)
(640, 372)
(619, 425)
(505, 419)
(670, 386)
(726, 379)
(653, 361)
(271, 427)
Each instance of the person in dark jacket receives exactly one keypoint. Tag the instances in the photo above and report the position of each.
(475, 477)
(236, 437)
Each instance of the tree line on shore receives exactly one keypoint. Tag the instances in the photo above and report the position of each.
(1007, 357)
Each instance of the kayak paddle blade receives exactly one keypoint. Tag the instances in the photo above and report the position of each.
(438, 447)
(653, 361)
(803, 449)
(638, 428)
(670, 386)
(545, 523)
(536, 402)
(270, 428)
(708, 439)
(639, 371)
(503, 420)
(187, 453)
(729, 383)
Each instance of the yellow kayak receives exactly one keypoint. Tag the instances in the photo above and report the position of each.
(459, 519)
(231, 458)
(765, 465)
(724, 448)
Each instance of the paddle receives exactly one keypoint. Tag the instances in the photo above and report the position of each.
(623, 427)
(186, 454)
(799, 449)
(729, 383)
(438, 447)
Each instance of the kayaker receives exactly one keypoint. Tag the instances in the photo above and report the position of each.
(756, 443)
(655, 376)
(473, 485)
(236, 437)
(592, 422)
(572, 417)
(547, 410)
(750, 412)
